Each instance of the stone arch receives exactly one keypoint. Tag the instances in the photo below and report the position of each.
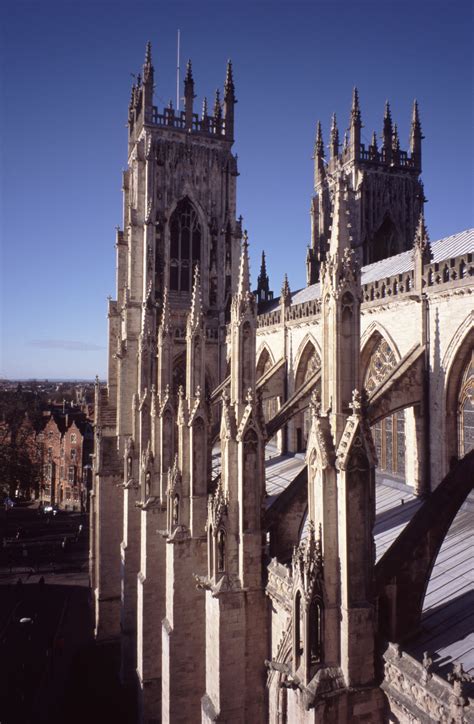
(264, 363)
(265, 360)
(368, 341)
(385, 242)
(457, 358)
(378, 359)
(308, 362)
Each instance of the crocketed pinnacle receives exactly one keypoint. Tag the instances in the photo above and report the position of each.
(165, 313)
(189, 72)
(217, 106)
(355, 110)
(263, 268)
(421, 242)
(204, 107)
(244, 270)
(334, 138)
(318, 144)
(195, 314)
(229, 88)
(395, 139)
(373, 143)
(285, 297)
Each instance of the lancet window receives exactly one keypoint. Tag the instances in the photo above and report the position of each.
(466, 409)
(185, 245)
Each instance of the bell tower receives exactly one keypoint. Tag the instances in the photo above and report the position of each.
(388, 192)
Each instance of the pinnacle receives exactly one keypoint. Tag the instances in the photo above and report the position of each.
(229, 79)
(319, 145)
(374, 140)
(148, 54)
(189, 72)
(204, 107)
(285, 290)
(195, 313)
(355, 111)
(387, 113)
(217, 105)
(244, 270)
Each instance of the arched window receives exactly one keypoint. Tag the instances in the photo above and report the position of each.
(298, 630)
(389, 433)
(466, 409)
(308, 365)
(185, 245)
(315, 631)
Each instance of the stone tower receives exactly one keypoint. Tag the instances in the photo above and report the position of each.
(179, 216)
(388, 193)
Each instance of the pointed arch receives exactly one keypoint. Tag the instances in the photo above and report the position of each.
(459, 372)
(303, 350)
(369, 340)
(265, 360)
(308, 362)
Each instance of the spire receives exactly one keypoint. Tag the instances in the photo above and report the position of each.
(373, 148)
(229, 88)
(147, 66)
(188, 97)
(334, 138)
(355, 110)
(229, 102)
(395, 140)
(244, 269)
(355, 125)
(263, 286)
(217, 113)
(387, 133)
(416, 136)
(195, 314)
(318, 144)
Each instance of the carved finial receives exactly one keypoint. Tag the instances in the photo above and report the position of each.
(249, 397)
(458, 677)
(244, 271)
(170, 104)
(359, 403)
(318, 144)
(97, 381)
(427, 661)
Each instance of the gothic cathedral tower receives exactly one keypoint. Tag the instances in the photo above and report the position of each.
(388, 196)
(179, 226)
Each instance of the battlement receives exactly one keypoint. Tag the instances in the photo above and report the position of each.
(353, 150)
(216, 124)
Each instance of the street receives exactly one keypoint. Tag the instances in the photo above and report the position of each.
(51, 670)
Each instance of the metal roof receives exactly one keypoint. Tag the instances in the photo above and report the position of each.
(446, 248)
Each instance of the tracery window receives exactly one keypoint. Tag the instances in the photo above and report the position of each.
(185, 245)
(389, 433)
(381, 363)
(466, 409)
(309, 364)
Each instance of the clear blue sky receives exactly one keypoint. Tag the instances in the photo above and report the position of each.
(65, 85)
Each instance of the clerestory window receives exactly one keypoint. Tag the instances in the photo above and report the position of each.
(185, 246)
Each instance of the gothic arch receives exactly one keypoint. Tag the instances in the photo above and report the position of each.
(378, 359)
(265, 360)
(303, 351)
(368, 341)
(308, 361)
(456, 360)
(188, 198)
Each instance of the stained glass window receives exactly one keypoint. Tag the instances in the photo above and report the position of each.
(466, 409)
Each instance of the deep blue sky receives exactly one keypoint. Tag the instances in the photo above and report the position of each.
(65, 85)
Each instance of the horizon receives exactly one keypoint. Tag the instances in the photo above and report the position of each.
(293, 64)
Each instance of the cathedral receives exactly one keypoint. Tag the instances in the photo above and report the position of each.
(279, 480)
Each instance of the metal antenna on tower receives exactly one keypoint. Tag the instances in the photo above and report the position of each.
(177, 73)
